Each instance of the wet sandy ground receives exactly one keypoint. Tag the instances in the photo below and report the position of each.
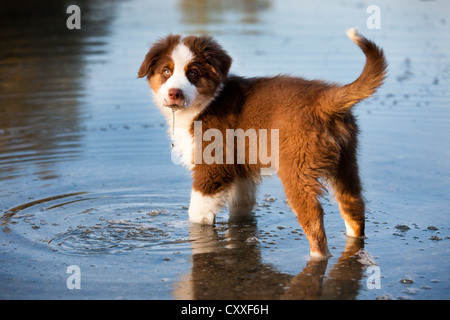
(86, 177)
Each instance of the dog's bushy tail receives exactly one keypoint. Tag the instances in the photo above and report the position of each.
(371, 78)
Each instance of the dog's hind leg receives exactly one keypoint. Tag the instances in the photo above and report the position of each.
(302, 194)
(348, 191)
(310, 216)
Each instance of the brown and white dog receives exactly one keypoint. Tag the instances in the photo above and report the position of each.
(317, 133)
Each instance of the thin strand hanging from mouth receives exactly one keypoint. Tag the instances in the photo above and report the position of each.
(173, 122)
(175, 108)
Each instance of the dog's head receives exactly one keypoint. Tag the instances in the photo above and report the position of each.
(185, 71)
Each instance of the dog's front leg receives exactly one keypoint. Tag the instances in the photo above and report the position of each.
(203, 208)
(210, 191)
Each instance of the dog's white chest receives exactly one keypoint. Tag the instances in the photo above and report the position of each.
(180, 125)
(182, 147)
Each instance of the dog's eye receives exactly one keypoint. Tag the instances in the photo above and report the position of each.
(192, 74)
(166, 72)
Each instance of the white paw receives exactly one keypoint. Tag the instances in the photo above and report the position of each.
(203, 209)
(207, 218)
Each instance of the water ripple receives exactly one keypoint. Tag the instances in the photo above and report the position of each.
(84, 223)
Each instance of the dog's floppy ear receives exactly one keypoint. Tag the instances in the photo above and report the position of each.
(221, 64)
(216, 56)
(150, 59)
(155, 53)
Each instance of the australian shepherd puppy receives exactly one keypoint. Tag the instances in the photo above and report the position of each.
(315, 140)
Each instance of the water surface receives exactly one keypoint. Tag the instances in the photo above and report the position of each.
(86, 176)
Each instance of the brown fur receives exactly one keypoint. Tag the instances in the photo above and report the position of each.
(317, 130)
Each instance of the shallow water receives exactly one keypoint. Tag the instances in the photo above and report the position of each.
(86, 176)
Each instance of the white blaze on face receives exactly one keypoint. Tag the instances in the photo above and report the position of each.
(181, 57)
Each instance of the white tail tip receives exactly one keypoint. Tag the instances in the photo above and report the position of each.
(353, 34)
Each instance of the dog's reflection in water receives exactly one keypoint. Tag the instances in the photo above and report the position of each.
(229, 266)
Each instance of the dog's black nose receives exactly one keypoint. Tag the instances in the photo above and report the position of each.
(175, 94)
